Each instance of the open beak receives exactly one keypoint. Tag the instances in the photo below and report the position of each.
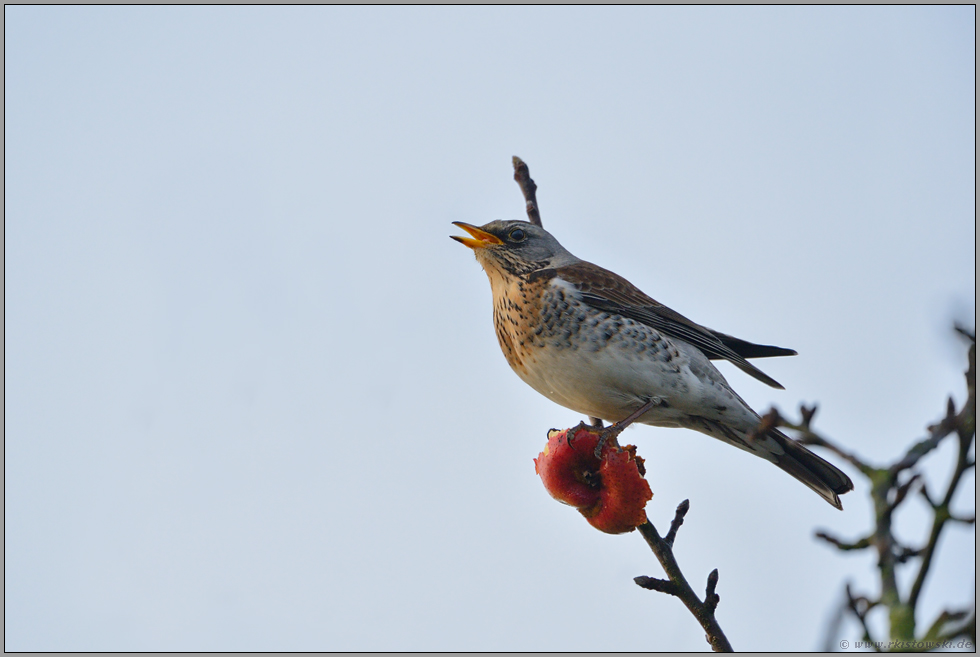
(481, 238)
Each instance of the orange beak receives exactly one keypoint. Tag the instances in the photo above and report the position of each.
(483, 238)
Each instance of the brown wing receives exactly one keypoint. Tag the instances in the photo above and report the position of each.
(607, 291)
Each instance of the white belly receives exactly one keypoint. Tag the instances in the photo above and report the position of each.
(613, 380)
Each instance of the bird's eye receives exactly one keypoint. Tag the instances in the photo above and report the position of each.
(517, 235)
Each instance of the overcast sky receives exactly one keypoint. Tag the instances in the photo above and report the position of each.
(253, 396)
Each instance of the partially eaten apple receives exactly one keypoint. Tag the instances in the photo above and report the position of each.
(610, 491)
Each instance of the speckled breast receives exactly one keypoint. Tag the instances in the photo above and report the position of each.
(578, 356)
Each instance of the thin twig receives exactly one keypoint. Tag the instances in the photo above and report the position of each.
(903, 553)
(523, 177)
(937, 432)
(654, 584)
(711, 599)
(860, 611)
(841, 545)
(967, 628)
(676, 523)
(902, 491)
(945, 618)
(810, 438)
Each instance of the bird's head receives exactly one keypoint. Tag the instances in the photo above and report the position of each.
(514, 247)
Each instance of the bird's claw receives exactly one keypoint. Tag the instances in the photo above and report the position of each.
(614, 430)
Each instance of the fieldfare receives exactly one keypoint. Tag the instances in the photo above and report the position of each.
(589, 340)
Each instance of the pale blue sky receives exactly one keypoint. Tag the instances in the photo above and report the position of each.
(253, 397)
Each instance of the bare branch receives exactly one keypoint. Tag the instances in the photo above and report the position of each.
(937, 432)
(967, 628)
(810, 438)
(903, 553)
(902, 491)
(965, 426)
(860, 606)
(888, 492)
(704, 612)
(523, 177)
(969, 334)
(935, 632)
(841, 545)
(924, 492)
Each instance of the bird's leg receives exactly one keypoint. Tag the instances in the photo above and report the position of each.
(596, 422)
(610, 432)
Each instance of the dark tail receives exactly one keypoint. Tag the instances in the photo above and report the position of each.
(776, 447)
(820, 476)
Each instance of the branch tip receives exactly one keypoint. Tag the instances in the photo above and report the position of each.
(655, 584)
(807, 414)
(711, 599)
(676, 523)
(523, 177)
(966, 333)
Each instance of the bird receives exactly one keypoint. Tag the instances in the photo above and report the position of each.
(591, 341)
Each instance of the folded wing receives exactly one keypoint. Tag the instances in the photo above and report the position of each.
(604, 290)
